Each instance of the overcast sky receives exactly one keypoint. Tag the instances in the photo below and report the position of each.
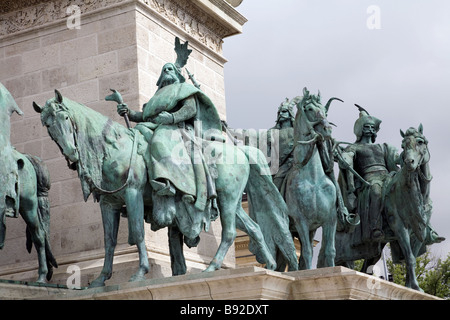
(391, 57)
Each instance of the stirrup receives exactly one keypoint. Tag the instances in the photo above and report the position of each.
(163, 189)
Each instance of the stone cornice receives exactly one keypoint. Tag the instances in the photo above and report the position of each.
(200, 19)
(207, 21)
(21, 15)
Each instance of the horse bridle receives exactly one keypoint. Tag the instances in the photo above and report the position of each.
(422, 157)
(317, 137)
(89, 179)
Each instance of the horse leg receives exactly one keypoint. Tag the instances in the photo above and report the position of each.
(177, 260)
(306, 246)
(228, 236)
(37, 237)
(136, 234)
(301, 260)
(246, 224)
(328, 249)
(410, 259)
(110, 219)
(227, 207)
(368, 264)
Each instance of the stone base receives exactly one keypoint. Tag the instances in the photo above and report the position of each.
(21, 290)
(126, 263)
(249, 283)
(339, 283)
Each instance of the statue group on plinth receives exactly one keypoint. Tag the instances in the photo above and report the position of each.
(177, 168)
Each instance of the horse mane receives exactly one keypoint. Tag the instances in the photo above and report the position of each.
(306, 99)
(421, 200)
(424, 176)
(95, 134)
(415, 132)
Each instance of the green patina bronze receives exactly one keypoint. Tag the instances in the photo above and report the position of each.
(309, 188)
(300, 148)
(390, 193)
(173, 169)
(277, 143)
(285, 146)
(24, 187)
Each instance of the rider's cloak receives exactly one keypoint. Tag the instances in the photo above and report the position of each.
(172, 145)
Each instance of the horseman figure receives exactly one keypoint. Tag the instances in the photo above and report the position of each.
(175, 121)
(373, 163)
(366, 169)
(285, 146)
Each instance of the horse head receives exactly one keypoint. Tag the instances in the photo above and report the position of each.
(56, 117)
(415, 148)
(312, 115)
(7, 103)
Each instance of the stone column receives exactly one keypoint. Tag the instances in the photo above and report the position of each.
(83, 48)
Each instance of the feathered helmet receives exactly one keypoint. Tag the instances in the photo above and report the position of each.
(182, 56)
(288, 106)
(365, 117)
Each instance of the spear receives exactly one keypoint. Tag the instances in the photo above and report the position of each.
(191, 77)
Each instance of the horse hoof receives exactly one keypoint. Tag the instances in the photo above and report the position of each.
(138, 276)
(97, 284)
(210, 269)
(416, 287)
(41, 280)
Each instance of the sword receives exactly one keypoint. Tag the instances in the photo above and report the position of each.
(117, 97)
(346, 165)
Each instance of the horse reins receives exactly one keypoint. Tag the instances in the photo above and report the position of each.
(89, 178)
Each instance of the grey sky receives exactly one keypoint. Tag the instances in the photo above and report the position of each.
(399, 73)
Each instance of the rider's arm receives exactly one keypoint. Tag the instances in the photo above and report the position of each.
(187, 111)
(134, 116)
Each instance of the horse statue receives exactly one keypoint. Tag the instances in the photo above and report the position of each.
(310, 189)
(405, 215)
(24, 187)
(110, 161)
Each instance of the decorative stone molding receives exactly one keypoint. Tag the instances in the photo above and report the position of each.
(25, 14)
(198, 22)
(252, 283)
(198, 18)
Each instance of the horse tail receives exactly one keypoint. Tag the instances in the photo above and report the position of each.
(43, 188)
(268, 209)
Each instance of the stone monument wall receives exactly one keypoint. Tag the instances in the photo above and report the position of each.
(83, 48)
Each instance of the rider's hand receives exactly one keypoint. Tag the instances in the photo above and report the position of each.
(122, 109)
(163, 118)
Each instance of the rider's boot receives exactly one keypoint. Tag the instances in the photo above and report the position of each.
(163, 189)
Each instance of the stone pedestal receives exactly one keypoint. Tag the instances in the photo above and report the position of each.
(248, 283)
(83, 48)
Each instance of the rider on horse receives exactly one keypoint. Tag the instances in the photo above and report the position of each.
(373, 162)
(285, 127)
(176, 122)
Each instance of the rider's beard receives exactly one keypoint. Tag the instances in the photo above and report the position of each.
(168, 79)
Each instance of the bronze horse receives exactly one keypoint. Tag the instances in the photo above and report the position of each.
(25, 183)
(406, 214)
(110, 160)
